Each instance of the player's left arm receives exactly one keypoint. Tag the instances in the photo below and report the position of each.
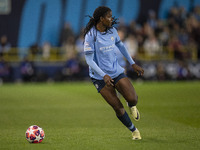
(126, 54)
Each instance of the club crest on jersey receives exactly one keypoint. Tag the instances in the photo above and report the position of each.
(112, 38)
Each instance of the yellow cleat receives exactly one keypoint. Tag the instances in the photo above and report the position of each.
(136, 135)
(135, 113)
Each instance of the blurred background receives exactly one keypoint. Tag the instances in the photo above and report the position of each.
(41, 40)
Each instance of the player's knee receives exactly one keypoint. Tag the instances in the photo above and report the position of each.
(133, 99)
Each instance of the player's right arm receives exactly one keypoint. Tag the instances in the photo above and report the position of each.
(89, 57)
(89, 54)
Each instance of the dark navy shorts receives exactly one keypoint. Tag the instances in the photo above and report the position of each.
(99, 84)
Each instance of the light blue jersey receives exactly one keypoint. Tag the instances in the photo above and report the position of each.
(103, 46)
(104, 50)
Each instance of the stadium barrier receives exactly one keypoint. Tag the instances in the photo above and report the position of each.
(58, 66)
(59, 54)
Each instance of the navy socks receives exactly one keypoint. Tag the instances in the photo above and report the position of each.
(127, 121)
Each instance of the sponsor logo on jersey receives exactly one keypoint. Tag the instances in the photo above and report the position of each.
(107, 48)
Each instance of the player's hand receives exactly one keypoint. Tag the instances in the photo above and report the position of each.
(108, 80)
(138, 69)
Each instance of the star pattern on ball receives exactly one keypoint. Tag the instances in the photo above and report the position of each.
(35, 134)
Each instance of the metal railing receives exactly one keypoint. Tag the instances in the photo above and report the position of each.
(59, 54)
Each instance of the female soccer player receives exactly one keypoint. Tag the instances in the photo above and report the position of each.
(101, 41)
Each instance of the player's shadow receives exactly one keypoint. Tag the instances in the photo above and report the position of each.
(155, 140)
(150, 140)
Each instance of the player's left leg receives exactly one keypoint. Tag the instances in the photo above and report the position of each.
(127, 90)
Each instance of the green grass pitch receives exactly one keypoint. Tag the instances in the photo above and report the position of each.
(75, 117)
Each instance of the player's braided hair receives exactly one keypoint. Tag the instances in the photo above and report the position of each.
(101, 11)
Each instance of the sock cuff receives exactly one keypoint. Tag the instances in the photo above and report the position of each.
(130, 105)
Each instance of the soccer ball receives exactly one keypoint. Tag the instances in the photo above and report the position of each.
(35, 134)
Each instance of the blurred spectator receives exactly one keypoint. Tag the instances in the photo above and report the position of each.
(140, 41)
(69, 48)
(27, 70)
(122, 26)
(183, 36)
(147, 30)
(132, 45)
(132, 28)
(191, 49)
(151, 20)
(159, 28)
(67, 33)
(196, 12)
(195, 33)
(164, 36)
(160, 72)
(46, 48)
(151, 46)
(79, 47)
(182, 16)
(34, 51)
(71, 70)
(176, 48)
(183, 71)
(4, 45)
(5, 71)
(173, 17)
(83, 72)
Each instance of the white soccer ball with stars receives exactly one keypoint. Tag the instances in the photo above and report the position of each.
(35, 134)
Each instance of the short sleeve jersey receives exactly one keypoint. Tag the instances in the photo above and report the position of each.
(103, 45)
